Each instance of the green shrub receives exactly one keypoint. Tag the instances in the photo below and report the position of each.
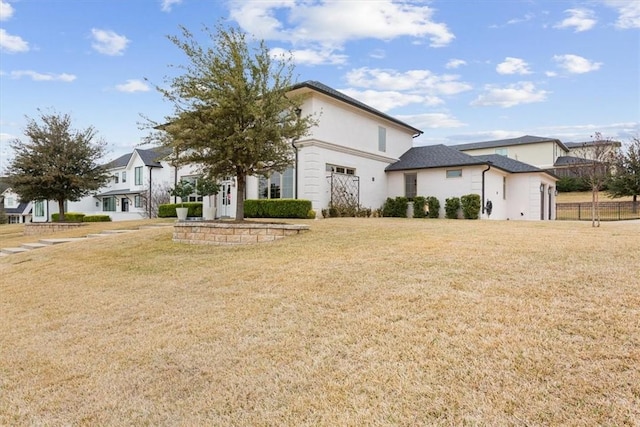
(311, 214)
(277, 208)
(434, 206)
(470, 204)
(68, 217)
(451, 207)
(395, 207)
(346, 211)
(97, 218)
(419, 203)
(169, 210)
(572, 183)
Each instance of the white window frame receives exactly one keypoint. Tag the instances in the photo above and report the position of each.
(454, 173)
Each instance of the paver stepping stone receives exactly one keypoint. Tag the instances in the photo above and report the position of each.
(10, 251)
(58, 241)
(33, 245)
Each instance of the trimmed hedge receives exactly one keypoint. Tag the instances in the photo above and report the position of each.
(97, 218)
(68, 217)
(277, 208)
(470, 206)
(451, 207)
(169, 210)
(419, 204)
(395, 207)
(434, 207)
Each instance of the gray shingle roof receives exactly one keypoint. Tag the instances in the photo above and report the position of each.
(507, 164)
(527, 139)
(433, 156)
(570, 161)
(151, 157)
(591, 144)
(322, 88)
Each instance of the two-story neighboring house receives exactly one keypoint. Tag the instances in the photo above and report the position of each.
(17, 212)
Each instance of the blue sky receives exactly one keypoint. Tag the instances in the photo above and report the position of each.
(462, 71)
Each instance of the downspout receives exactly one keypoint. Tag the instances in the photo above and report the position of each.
(483, 172)
(295, 166)
(149, 204)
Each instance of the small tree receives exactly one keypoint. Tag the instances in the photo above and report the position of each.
(183, 189)
(595, 167)
(57, 163)
(625, 180)
(207, 187)
(233, 113)
(434, 206)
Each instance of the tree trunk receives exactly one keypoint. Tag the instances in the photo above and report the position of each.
(61, 210)
(240, 196)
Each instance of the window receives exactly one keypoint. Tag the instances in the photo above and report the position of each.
(115, 178)
(504, 187)
(109, 204)
(137, 201)
(38, 208)
(502, 151)
(138, 175)
(277, 186)
(340, 169)
(382, 139)
(410, 185)
(193, 180)
(9, 202)
(124, 176)
(454, 173)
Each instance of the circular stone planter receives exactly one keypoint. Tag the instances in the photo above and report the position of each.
(233, 233)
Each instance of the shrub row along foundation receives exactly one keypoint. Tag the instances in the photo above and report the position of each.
(49, 227)
(220, 233)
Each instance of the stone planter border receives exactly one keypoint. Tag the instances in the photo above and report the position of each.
(232, 233)
(32, 228)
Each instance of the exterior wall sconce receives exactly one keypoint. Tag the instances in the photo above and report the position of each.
(555, 192)
(550, 190)
(542, 188)
(373, 178)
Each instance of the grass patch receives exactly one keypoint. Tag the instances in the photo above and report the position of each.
(358, 322)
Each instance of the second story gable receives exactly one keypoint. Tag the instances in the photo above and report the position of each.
(345, 123)
(535, 150)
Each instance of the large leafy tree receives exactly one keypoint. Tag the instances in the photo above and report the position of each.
(626, 179)
(56, 162)
(233, 113)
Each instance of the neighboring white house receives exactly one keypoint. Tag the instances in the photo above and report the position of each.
(515, 189)
(17, 212)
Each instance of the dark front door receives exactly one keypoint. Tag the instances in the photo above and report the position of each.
(125, 204)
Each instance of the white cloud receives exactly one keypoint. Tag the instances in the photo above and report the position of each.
(108, 42)
(332, 23)
(628, 13)
(432, 120)
(12, 44)
(511, 95)
(388, 100)
(6, 11)
(414, 81)
(575, 64)
(310, 56)
(166, 5)
(579, 19)
(43, 77)
(513, 66)
(455, 63)
(133, 86)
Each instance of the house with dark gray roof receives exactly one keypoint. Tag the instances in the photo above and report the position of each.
(511, 188)
(356, 155)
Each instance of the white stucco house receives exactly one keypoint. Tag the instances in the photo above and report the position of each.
(515, 189)
(355, 154)
(17, 211)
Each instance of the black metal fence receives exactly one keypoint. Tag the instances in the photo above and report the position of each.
(609, 211)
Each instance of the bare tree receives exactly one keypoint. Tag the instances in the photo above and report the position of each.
(151, 200)
(597, 157)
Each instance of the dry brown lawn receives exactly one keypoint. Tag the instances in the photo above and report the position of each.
(585, 196)
(357, 322)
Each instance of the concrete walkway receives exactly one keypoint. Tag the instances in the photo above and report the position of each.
(43, 243)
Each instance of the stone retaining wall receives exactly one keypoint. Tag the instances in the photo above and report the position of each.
(32, 228)
(221, 233)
